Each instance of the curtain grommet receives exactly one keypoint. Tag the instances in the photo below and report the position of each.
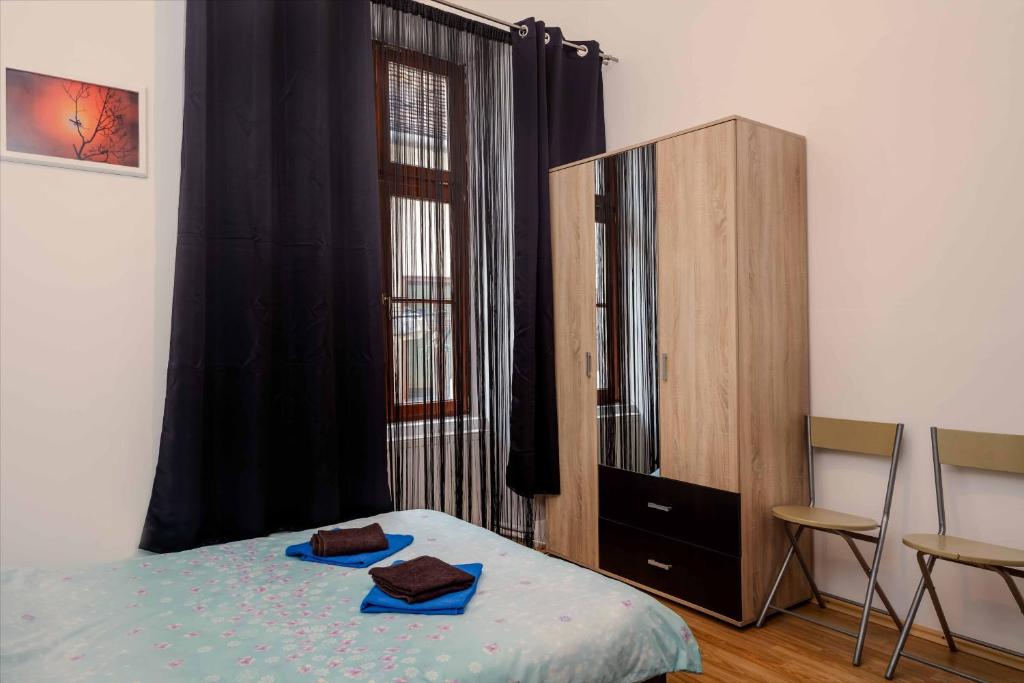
(547, 37)
(582, 51)
(524, 31)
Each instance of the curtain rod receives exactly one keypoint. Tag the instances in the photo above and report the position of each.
(605, 57)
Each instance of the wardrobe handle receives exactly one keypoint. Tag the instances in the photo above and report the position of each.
(659, 565)
(663, 508)
(664, 367)
(586, 362)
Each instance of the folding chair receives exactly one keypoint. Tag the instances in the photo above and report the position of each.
(998, 452)
(855, 436)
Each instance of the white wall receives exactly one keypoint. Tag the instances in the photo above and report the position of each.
(912, 112)
(84, 302)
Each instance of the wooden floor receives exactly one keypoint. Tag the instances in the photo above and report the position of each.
(788, 649)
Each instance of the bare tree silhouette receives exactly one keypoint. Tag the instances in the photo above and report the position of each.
(110, 138)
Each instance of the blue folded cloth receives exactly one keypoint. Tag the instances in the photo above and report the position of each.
(396, 542)
(377, 601)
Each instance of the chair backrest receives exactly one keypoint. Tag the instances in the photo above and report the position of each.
(978, 450)
(854, 436)
(981, 450)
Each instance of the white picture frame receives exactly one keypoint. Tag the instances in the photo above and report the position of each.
(26, 157)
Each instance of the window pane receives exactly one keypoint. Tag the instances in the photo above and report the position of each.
(421, 263)
(601, 253)
(424, 354)
(602, 347)
(418, 116)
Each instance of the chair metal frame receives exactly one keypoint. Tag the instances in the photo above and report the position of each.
(848, 536)
(926, 567)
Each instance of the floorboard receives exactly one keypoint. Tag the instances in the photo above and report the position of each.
(789, 650)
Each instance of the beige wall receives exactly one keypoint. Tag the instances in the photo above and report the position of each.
(913, 113)
(78, 317)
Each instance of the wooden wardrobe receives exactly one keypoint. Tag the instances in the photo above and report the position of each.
(733, 375)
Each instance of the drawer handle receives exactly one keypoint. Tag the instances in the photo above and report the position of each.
(659, 565)
(663, 508)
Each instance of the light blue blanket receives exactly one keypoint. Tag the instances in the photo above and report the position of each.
(244, 612)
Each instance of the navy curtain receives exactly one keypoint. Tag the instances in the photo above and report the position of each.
(275, 414)
(559, 118)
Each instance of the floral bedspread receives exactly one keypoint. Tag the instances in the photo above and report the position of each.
(244, 612)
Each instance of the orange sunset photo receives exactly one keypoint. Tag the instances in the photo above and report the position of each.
(69, 119)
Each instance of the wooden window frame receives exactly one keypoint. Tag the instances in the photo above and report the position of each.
(606, 212)
(436, 185)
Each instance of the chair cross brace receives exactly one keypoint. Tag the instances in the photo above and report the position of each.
(869, 571)
(926, 584)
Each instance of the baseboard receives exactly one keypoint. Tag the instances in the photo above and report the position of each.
(930, 634)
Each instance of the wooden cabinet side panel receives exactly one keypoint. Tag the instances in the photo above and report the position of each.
(773, 350)
(572, 516)
(697, 306)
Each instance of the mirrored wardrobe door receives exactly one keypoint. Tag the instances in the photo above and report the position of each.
(626, 325)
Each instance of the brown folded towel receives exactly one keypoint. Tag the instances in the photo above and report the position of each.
(348, 541)
(423, 578)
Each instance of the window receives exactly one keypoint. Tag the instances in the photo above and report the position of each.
(607, 282)
(421, 142)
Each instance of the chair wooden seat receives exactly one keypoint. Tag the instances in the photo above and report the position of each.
(965, 550)
(822, 518)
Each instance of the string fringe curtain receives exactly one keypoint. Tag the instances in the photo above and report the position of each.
(445, 151)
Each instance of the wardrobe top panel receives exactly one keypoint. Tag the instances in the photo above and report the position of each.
(672, 135)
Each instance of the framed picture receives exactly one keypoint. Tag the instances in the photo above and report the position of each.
(61, 121)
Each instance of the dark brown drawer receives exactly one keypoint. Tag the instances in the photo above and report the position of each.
(697, 575)
(687, 512)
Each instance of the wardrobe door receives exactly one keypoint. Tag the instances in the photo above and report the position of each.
(572, 516)
(697, 306)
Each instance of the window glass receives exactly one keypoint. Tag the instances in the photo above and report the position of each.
(418, 117)
(424, 359)
(602, 347)
(421, 250)
(601, 259)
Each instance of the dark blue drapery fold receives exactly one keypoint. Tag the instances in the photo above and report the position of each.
(559, 118)
(275, 415)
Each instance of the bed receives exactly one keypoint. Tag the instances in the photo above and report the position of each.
(244, 612)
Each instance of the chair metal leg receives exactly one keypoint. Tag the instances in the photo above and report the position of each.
(878, 586)
(1013, 586)
(927, 575)
(775, 587)
(869, 596)
(794, 543)
(781, 572)
(907, 624)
